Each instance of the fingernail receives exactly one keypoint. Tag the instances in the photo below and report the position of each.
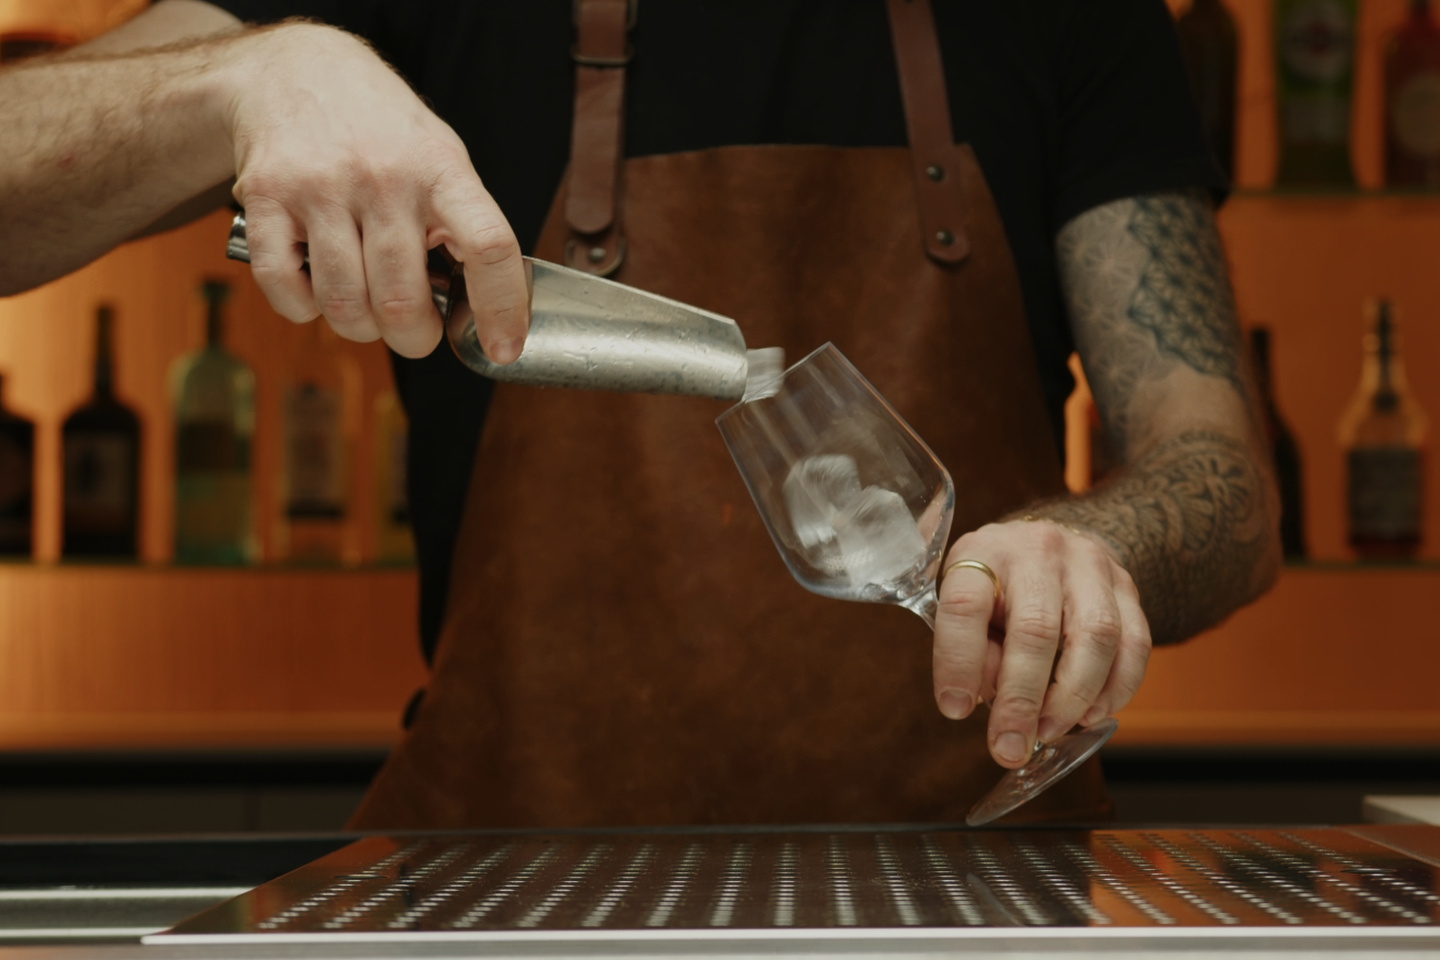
(1050, 730)
(505, 351)
(1010, 747)
(956, 704)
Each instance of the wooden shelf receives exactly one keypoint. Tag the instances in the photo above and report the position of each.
(1331, 656)
(134, 656)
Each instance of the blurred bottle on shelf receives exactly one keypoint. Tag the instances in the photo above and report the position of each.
(17, 482)
(1284, 451)
(320, 419)
(1412, 101)
(1315, 61)
(213, 393)
(1383, 434)
(1210, 42)
(100, 445)
(393, 540)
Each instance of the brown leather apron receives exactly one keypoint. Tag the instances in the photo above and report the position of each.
(623, 644)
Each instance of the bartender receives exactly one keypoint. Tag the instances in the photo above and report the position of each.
(958, 198)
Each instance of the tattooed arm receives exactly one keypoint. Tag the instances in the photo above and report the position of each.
(1194, 514)
(1183, 534)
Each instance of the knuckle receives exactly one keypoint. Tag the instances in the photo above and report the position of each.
(1099, 629)
(343, 304)
(491, 242)
(963, 603)
(1034, 624)
(1012, 702)
(398, 311)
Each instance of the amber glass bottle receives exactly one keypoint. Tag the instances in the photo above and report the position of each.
(100, 442)
(1383, 434)
(1412, 101)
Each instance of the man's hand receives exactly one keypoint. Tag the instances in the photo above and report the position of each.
(328, 148)
(1184, 533)
(334, 152)
(1062, 594)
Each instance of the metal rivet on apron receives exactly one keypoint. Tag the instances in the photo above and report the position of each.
(945, 237)
(597, 254)
(935, 172)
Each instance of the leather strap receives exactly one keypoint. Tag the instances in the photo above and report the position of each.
(927, 119)
(601, 52)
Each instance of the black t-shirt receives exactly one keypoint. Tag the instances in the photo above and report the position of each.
(1068, 104)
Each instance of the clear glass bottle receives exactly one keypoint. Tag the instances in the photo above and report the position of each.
(17, 482)
(320, 421)
(393, 540)
(1315, 62)
(100, 444)
(1383, 435)
(1412, 101)
(213, 394)
(1284, 450)
(1211, 46)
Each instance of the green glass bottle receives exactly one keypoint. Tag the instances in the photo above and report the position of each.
(213, 393)
(1315, 63)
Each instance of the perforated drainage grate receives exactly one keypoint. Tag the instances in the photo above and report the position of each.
(891, 879)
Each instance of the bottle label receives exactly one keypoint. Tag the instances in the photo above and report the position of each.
(99, 478)
(1384, 493)
(1317, 41)
(1312, 120)
(1415, 116)
(315, 454)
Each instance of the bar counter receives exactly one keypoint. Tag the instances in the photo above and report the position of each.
(913, 891)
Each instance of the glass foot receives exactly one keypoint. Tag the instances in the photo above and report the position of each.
(1047, 766)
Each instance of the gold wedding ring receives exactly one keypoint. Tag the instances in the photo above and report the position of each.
(975, 565)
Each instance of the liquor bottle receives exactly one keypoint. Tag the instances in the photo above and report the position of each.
(100, 444)
(320, 415)
(393, 540)
(213, 394)
(17, 482)
(1412, 101)
(1284, 451)
(1315, 56)
(1210, 42)
(1383, 435)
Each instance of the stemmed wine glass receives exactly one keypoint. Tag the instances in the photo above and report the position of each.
(860, 509)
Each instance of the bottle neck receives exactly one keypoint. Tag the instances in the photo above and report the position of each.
(215, 293)
(1420, 8)
(1386, 398)
(104, 358)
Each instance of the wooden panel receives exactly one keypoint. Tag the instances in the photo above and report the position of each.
(99, 656)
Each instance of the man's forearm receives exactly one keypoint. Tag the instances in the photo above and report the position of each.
(1190, 522)
(99, 146)
(1193, 513)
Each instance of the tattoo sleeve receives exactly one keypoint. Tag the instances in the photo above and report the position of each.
(1192, 515)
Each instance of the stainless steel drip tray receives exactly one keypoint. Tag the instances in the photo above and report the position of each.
(893, 885)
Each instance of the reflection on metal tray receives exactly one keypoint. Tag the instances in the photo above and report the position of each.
(504, 886)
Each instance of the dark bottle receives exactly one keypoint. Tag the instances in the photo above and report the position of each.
(101, 448)
(1383, 435)
(17, 482)
(1412, 101)
(1315, 58)
(1210, 42)
(1284, 451)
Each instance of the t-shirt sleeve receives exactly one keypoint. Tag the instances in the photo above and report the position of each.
(1128, 123)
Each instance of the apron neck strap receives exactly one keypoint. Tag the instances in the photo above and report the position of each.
(927, 121)
(601, 52)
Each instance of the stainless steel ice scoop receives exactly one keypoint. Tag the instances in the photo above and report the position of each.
(590, 333)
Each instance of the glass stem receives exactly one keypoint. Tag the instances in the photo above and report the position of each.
(923, 605)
